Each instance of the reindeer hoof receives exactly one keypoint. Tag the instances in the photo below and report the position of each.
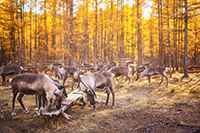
(39, 113)
(14, 114)
(26, 111)
(112, 107)
(104, 105)
(82, 107)
(94, 108)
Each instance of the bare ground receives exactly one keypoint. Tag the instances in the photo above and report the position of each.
(139, 108)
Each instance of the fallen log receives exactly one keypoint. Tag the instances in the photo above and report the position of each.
(72, 98)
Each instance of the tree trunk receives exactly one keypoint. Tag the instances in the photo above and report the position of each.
(138, 33)
(95, 32)
(112, 35)
(170, 58)
(12, 35)
(86, 34)
(22, 36)
(30, 50)
(45, 26)
(35, 36)
(186, 42)
(54, 29)
(72, 30)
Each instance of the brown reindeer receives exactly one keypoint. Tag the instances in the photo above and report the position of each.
(153, 71)
(31, 84)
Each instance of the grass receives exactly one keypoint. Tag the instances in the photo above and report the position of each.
(180, 95)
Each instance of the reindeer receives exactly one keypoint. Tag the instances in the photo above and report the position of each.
(58, 84)
(121, 71)
(9, 70)
(153, 71)
(141, 68)
(69, 70)
(102, 81)
(61, 73)
(31, 84)
(75, 79)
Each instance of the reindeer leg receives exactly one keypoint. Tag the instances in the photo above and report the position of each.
(39, 98)
(126, 78)
(83, 101)
(44, 100)
(108, 94)
(36, 103)
(3, 81)
(161, 81)
(94, 108)
(129, 80)
(166, 79)
(113, 96)
(149, 77)
(117, 80)
(73, 84)
(78, 84)
(83, 105)
(19, 98)
(13, 104)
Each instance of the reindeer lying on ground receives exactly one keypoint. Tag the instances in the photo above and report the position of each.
(121, 71)
(153, 71)
(9, 70)
(31, 84)
(102, 81)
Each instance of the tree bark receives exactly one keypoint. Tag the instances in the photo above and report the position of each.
(35, 37)
(138, 33)
(186, 42)
(95, 32)
(170, 58)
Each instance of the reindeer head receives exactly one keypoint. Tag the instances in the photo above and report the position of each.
(91, 96)
(58, 98)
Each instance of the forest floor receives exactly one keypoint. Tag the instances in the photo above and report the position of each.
(139, 108)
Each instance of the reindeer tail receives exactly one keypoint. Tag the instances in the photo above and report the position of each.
(166, 68)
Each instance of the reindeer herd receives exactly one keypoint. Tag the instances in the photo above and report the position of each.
(52, 90)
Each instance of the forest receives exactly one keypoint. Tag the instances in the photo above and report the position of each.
(160, 32)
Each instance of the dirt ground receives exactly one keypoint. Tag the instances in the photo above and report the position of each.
(139, 109)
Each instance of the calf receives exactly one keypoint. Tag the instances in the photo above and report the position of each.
(121, 71)
(31, 84)
(9, 70)
(153, 71)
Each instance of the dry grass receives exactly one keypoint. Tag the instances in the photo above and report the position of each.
(137, 106)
